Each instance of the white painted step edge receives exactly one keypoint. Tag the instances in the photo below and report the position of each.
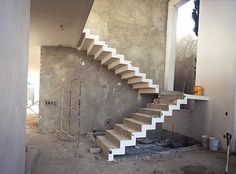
(135, 135)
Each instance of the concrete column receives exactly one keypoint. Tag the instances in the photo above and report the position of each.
(14, 34)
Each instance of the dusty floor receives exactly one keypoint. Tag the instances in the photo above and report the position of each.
(58, 157)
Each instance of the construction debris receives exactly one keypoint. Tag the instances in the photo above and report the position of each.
(95, 150)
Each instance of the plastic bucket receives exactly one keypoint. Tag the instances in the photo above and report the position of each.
(205, 141)
(198, 90)
(213, 144)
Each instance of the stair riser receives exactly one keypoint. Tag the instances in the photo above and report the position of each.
(128, 75)
(156, 106)
(81, 39)
(105, 150)
(165, 101)
(141, 85)
(148, 112)
(103, 55)
(148, 91)
(171, 97)
(86, 44)
(135, 80)
(109, 60)
(113, 139)
(133, 125)
(144, 119)
(123, 132)
(94, 50)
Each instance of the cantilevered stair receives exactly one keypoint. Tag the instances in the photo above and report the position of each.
(116, 62)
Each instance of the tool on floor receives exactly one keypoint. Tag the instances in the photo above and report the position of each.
(228, 137)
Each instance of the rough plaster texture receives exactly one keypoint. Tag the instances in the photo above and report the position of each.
(192, 122)
(137, 29)
(14, 31)
(185, 64)
(103, 95)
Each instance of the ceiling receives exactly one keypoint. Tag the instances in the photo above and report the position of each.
(58, 22)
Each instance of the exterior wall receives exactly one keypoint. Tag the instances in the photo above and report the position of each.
(14, 31)
(103, 94)
(137, 29)
(216, 63)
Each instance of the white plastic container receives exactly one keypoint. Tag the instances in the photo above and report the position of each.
(205, 141)
(213, 144)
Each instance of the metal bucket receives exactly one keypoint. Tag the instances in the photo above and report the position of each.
(213, 144)
(205, 141)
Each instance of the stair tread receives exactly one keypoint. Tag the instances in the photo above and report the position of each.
(126, 128)
(160, 104)
(145, 115)
(136, 121)
(117, 135)
(109, 144)
(151, 109)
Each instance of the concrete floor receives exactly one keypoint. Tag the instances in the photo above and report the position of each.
(58, 157)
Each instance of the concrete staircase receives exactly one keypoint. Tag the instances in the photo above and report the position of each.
(123, 135)
(116, 62)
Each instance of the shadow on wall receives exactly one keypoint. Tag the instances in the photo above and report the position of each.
(185, 65)
(104, 96)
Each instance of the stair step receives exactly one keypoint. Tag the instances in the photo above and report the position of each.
(118, 64)
(134, 124)
(142, 117)
(164, 107)
(86, 43)
(149, 91)
(165, 101)
(81, 39)
(95, 48)
(113, 58)
(149, 111)
(105, 144)
(143, 85)
(171, 95)
(136, 80)
(105, 53)
(126, 69)
(115, 137)
(132, 74)
(124, 130)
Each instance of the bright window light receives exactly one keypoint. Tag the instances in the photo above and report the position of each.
(185, 22)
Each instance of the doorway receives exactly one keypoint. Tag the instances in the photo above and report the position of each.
(176, 7)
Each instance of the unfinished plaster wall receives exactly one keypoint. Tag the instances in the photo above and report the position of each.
(216, 64)
(14, 31)
(192, 122)
(103, 94)
(137, 29)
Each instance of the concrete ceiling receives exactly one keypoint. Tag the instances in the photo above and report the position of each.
(58, 22)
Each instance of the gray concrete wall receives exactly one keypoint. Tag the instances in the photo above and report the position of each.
(137, 29)
(103, 94)
(192, 122)
(14, 31)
